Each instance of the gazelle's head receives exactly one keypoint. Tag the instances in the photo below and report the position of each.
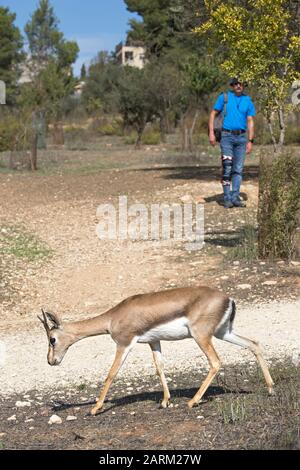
(59, 339)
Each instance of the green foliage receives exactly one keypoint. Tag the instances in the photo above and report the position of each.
(101, 90)
(292, 135)
(42, 33)
(83, 72)
(137, 98)
(279, 204)
(50, 63)
(110, 128)
(202, 78)
(166, 25)
(149, 137)
(233, 411)
(11, 54)
(14, 131)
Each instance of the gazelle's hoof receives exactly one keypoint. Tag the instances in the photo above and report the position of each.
(192, 403)
(271, 392)
(94, 410)
(165, 404)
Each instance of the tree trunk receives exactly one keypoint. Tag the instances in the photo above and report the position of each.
(191, 131)
(58, 133)
(32, 164)
(140, 131)
(11, 163)
(282, 127)
(162, 128)
(270, 125)
(188, 123)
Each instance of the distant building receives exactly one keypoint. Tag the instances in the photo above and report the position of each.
(131, 55)
(26, 73)
(79, 88)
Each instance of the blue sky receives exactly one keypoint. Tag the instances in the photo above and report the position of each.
(95, 24)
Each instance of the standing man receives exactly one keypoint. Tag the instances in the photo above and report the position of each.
(234, 144)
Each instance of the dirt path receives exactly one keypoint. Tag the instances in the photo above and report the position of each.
(86, 275)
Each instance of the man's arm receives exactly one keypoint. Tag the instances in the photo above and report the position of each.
(250, 125)
(212, 138)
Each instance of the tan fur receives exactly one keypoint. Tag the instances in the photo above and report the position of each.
(202, 309)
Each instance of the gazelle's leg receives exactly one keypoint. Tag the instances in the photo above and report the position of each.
(120, 357)
(157, 357)
(254, 347)
(215, 364)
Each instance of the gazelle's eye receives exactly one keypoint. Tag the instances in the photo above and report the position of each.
(52, 341)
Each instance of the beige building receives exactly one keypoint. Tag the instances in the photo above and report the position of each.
(131, 55)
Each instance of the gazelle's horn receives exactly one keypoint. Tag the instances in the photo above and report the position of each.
(44, 321)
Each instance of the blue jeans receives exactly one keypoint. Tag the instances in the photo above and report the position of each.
(233, 151)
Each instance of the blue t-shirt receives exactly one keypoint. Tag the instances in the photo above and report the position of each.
(238, 108)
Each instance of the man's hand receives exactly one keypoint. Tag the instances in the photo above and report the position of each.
(249, 147)
(212, 139)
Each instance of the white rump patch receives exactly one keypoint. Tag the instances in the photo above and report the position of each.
(171, 331)
(223, 327)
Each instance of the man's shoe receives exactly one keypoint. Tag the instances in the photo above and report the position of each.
(238, 203)
(228, 205)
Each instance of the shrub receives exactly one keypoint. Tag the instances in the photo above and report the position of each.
(279, 202)
(10, 128)
(292, 135)
(149, 137)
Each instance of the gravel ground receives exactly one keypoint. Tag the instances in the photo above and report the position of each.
(23, 364)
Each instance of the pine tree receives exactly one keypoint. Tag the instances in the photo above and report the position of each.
(11, 54)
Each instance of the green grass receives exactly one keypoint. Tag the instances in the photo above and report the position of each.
(16, 241)
(233, 411)
(81, 387)
(247, 248)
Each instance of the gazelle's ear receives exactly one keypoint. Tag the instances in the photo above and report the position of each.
(54, 319)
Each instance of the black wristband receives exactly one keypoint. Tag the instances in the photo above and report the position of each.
(251, 140)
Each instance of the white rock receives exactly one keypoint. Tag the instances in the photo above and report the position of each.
(295, 263)
(187, 198)
(21, 404)
(269, 283)
(29, 420)
(200, 417)
(12, 418)
(71, 418)
(244, 286)
(55, 420)
(296, 358)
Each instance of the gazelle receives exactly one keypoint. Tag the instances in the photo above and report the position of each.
(197, 312)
